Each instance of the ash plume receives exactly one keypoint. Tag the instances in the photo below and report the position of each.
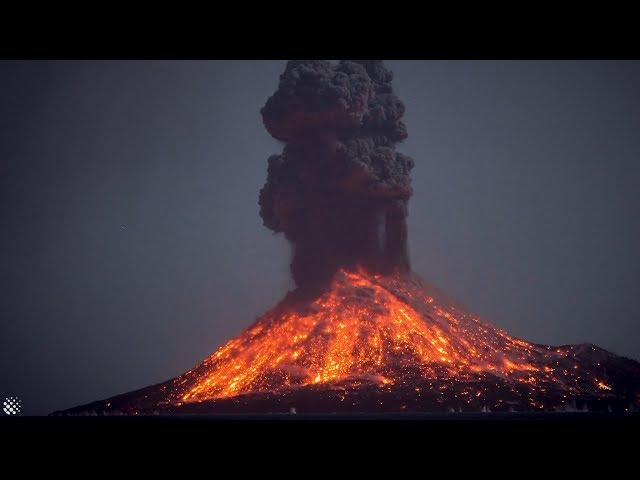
(339, 190)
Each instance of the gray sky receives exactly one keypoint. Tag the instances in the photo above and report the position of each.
(130, 241)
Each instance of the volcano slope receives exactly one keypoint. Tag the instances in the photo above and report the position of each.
(373, 343)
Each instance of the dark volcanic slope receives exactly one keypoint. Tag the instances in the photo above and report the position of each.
(385, 344)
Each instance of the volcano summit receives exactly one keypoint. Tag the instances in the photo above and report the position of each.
(361, 332)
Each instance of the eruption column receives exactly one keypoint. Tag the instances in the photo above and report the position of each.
(339, 190)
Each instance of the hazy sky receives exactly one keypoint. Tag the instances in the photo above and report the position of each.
(130, 241)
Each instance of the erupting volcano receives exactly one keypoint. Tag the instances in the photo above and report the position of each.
(361, 332)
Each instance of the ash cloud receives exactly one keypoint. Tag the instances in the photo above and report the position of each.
(339, 190)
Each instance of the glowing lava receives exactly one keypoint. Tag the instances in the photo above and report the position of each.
(364, 328)
(385, 333)
(385, 343)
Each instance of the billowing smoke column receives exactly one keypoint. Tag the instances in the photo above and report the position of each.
(339, 190)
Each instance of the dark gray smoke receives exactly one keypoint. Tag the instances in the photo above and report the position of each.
(339, 190)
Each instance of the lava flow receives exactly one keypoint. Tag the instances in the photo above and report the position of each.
(365, 329)
(389, 343)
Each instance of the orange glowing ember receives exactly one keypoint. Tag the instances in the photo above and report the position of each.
(374, 343)
(366, 328)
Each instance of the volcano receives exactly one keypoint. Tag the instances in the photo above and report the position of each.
(361, 332)
(375, 343)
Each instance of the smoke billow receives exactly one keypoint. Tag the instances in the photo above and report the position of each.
(339, 190)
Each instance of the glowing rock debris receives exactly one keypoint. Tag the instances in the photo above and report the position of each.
(392, 343)
(384, 331)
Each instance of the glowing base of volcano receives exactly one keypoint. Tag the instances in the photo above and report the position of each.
(371, 343)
